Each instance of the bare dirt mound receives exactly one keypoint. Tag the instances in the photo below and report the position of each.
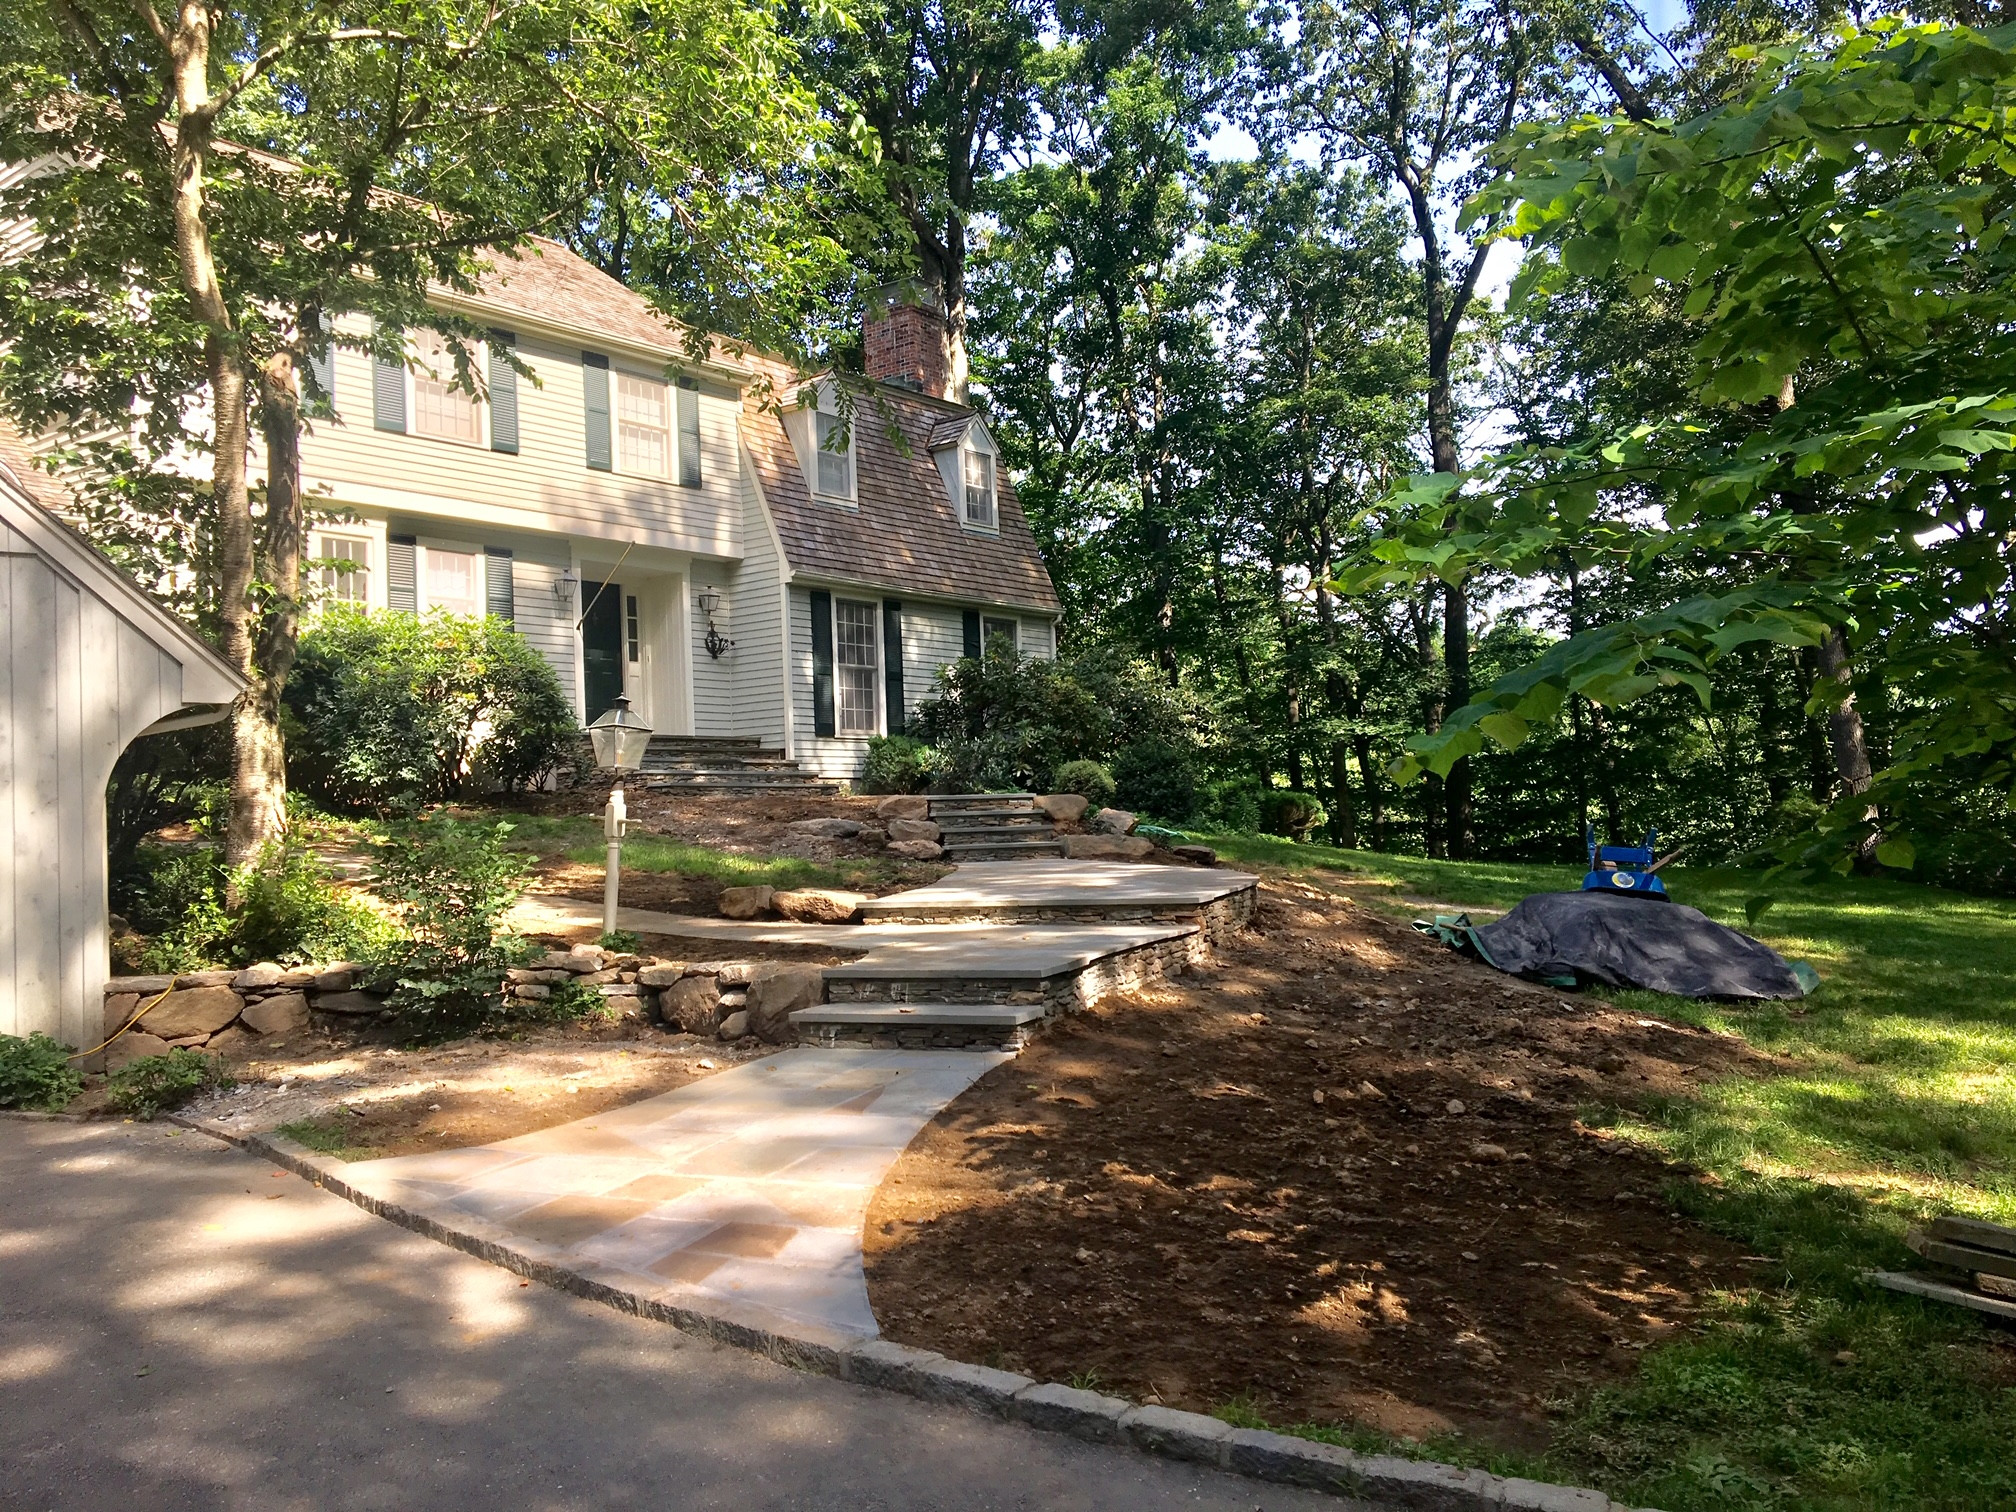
(1338, 1176)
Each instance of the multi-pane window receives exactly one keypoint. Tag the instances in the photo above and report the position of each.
(836, 457)
(643, 427)
(979, 467)
(350, 584)
(854, 664)
(1004, 629)
(441, 409)
(452, 581)
(630, 636)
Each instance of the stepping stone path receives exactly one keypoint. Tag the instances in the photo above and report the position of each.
(741, 1196)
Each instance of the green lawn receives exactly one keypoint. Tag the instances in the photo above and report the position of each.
(579, 838)
(1898, 1101)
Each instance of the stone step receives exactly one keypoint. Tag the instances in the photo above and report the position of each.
(945, 1026)
(1046, 851)
(974, 834)
(953, 802)
(961, 818)
(750, 782)
(1029, 891)
(703, 768)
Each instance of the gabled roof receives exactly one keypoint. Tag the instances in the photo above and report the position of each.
(902, 535)
(951, 430)
(28, 501)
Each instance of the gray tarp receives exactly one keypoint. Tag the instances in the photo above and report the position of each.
(1630, 942)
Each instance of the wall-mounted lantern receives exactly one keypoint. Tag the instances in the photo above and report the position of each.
(709, 601)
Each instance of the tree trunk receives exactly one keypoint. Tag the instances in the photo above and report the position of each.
(1343, 821)
(1375, 799)
(258, 753)
(1844, 720)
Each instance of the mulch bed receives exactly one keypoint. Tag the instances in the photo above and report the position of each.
(1256, 1184)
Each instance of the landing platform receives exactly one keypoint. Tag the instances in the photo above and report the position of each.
(1075, 892)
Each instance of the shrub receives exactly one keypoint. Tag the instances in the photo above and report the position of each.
(35, 1073)
(289, 909)
(1156, 776)
(896, 764)
(161, 1083)
(159, 780)
(1288, 812)
(1001, 721)
(1087, 779)
(1234, 805)
(453, 881)
(571, 1001)
(393, 711)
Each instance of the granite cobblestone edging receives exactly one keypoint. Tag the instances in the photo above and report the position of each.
(1385, 1480)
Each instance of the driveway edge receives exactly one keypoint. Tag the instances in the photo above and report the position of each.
(1415, 1485)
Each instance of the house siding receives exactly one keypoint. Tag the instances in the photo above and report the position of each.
(932, 638)
(714, 681)
(546, 485)
(839, 756)
(759, 628)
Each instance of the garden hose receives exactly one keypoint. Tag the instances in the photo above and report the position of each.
(81, 1054)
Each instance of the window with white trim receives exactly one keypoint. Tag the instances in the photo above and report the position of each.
(440, 409)
(341, 584)
(835, 445)
(451, 581)
(855, 664)
(978, 468)
(1007, 629)
(643, 427)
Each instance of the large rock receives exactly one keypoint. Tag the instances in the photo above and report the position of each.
(734, 1026)
(916, 850)
(346, 1002)
(690, 1005)
(146, 986)
(131, 1047)
(734, 973)
(819, 905)
(219, 978)
(745, 902)
(661, 973)
(913, 829)
(265, 974)
(1203, 855)
(776, 993)
(903, 806)
(1113, 821)
(283, 1013)
(832, 829)
(1106, 847)
(194, 1010)
(337, 976)
(233, 1041)
(119, 1010)
(1065, 808)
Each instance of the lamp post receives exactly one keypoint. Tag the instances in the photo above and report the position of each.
(620, 739)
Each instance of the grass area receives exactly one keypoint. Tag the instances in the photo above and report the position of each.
(1897, 1100)
(578, 837)
(325, 1136)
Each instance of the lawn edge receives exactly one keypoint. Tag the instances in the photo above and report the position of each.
(1417, 1485)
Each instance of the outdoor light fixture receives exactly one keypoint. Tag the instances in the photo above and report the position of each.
(564, 586)
(620, 739)
(715, 642)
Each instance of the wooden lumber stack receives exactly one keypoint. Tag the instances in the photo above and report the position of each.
(1974, 1265)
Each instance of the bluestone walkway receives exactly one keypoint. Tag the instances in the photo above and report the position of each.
(741, 1195)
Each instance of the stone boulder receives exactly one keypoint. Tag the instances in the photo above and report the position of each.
(1106, 847)
(904, 806)
(233, 1041)
(916, 850)
(831, 829)
(265, 974)
(1065, 808)
(661, 973)
(690, 1005)
(193, 1010)
(733, 1027)
(219, 978)
(1114, 821)
(346, 1002)
(119, 1010)
(745, 902)
(819, 905)
(283, 1013)
(913, 829)
(131, 1047)
(145, 986)
(1203, 855)
(734, 973)
(776, 992)
(337, 976)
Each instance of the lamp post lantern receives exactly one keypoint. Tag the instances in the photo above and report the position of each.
(620, 739)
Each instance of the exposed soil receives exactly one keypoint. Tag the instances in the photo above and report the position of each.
(1257, 1183)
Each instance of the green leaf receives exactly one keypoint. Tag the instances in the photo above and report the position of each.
(1897, 852)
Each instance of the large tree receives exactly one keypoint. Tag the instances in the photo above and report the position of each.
(212, 186)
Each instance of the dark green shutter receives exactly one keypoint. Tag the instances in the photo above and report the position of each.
(969, 625)
(822, 662)
(689, 434)
(595, 397)
(892, 664)
(401, 588)
(503, 396)
(388, 396)
(499, 599)
(321, 396)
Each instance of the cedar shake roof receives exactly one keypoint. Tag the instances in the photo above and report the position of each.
(902, 536)
(950, 431)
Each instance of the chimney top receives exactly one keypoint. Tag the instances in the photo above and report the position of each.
(904, 340)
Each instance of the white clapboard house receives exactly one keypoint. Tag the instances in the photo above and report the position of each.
(685, 532)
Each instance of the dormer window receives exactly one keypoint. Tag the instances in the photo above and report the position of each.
(979, 474)
(836, 456)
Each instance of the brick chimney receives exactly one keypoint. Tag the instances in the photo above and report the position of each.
(904, 339)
